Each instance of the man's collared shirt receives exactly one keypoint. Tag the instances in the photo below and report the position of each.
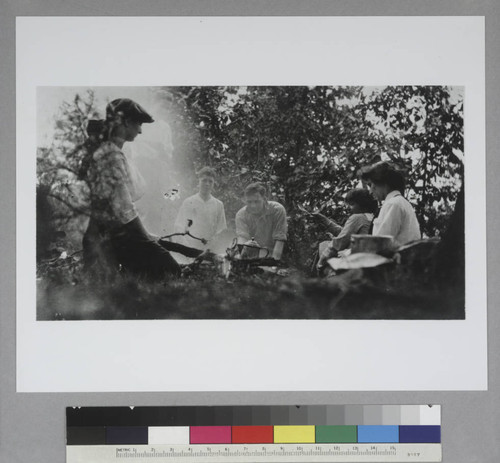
(266, 228)
(397, 219)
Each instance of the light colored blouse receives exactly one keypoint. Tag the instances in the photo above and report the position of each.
(355, 224)
(112, 189)
(397, 218)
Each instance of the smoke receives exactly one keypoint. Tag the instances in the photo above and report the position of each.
(161, 186)
(150, 156)
(150, 159)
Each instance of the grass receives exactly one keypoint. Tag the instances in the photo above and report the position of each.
(66, 293)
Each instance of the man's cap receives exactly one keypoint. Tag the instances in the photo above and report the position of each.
(128, 109)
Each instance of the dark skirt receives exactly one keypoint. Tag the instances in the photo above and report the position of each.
(128, 248)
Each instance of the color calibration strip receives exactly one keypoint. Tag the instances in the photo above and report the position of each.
(276, 434)
(255, 415)
(288, 434)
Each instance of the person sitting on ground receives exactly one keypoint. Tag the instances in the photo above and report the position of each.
(363, 207)
(397, 217)
(115, 236)
(262, 220)
(203, 211)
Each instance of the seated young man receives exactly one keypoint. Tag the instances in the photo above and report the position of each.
(262, 220)
(204, 210)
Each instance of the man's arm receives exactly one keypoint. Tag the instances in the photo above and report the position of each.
(278, 249)
(221, 218)
(332, 226)
(279, 232)
(343, 239)
(242, 230)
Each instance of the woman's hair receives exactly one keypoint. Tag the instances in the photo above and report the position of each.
(98, 131)
(384, 173)
(255, 188)
(363, 198)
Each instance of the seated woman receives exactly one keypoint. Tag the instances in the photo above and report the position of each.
(397, 217)
(363, 207)
(115, 235)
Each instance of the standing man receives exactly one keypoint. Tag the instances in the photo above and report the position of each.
(204, 211)
(262, 220)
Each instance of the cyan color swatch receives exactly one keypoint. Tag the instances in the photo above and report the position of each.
(379, 434)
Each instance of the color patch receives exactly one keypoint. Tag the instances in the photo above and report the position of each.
(280, 415)
(205, 416)
(261, 415)
(335, 415)
(391, 415)
(316, 415)
(242, 416)
(126, 435)
(372, 415)
(298, 416)
(210, 435)
(430, 415)
(294, 434)
(353, 415)
(223, 416)
(380, 434)
(410, 414)
(86, 435)
(420, 434)
(168, 435)
(336, 434)
(252, 435)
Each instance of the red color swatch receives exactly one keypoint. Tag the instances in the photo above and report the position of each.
(253, 434)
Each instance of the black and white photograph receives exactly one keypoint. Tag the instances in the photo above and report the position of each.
(250, 202)
(270, 191)
(231, 216)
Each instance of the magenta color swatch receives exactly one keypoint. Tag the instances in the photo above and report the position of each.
(210, 434)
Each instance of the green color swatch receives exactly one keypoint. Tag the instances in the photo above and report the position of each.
(336, 434)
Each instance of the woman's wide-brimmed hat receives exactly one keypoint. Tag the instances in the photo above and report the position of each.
(128, 109)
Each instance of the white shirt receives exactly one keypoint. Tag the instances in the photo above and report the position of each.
(208, 219)
(397, 219)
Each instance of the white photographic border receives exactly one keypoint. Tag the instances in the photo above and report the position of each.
(233, 355)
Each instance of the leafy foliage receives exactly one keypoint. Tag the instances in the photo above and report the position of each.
(305, 143)
(308, 143)
(62, 196)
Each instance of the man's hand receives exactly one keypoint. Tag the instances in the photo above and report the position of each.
(323, 259)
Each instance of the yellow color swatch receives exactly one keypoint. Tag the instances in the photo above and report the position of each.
(294, 435)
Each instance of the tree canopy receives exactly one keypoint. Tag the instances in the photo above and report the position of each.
(306, 144)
